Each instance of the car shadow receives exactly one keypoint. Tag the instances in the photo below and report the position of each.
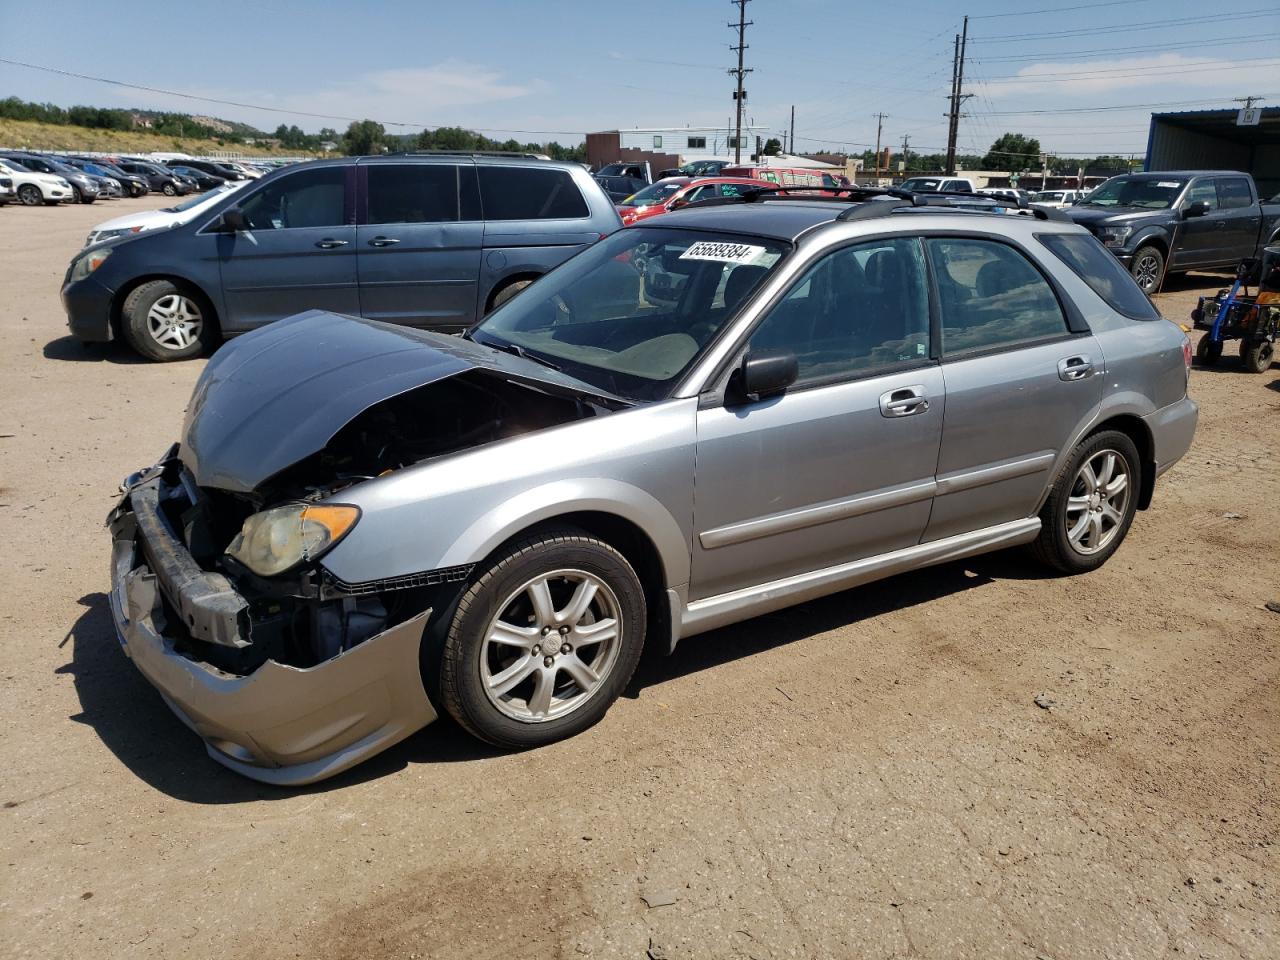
(1182, 282)
(134, 723)
(77, 351)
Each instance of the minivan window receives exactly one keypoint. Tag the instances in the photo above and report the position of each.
(991, 297)
(530, 193)
(1093, 263)
(413, 193)
(308, 198)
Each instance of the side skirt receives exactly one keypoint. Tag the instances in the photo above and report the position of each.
(726, 608)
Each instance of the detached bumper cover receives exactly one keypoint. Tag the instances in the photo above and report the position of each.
(280, 724)
(1172, 430)
(88, 306)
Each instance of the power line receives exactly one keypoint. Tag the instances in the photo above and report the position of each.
(1078, 6)
(1125, 28)
(1117, 74)
(1146, 48)
(1125, 106)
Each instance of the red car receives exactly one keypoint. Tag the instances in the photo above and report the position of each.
(675, 192)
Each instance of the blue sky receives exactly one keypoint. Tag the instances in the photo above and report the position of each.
(554, 70)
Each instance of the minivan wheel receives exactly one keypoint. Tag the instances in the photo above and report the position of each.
(30, 195)
(1148, 269)
(543, 641)
(507, 292)
(1091, 505)
(163, 321)
(1257, 356)
(169, 190)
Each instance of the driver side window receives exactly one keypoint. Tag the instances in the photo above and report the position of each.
(1203, 190)
(309, 198)
(860, 308)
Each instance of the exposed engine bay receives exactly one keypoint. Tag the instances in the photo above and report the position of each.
(303, 617)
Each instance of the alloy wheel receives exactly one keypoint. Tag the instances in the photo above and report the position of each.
(175, 322)
(1147, 273)
(551, 646)
(30, 194)
(1098, 501)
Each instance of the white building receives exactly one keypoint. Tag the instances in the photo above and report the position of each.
(692, 143)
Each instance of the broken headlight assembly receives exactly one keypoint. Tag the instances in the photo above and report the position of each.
(277, 540)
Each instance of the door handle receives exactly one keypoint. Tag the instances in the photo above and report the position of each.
(1075, 368)
(328, 243)
(904, 402)
(383, 241)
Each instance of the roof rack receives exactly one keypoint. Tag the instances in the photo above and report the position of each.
(468, 153)
(873, 201)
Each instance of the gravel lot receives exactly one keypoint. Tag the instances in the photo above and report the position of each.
(862, 776)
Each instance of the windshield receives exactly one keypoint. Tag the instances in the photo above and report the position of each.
(195, 201)
(1148, 192)
(632, 313)
(1048, 195)
(920, 183)
(654, 193)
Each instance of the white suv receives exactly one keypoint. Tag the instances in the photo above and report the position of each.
(938, 185)
(34, 188)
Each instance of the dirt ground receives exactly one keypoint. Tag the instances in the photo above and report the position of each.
(863, 776)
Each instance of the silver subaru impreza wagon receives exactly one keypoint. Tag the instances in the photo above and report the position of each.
(741, 407)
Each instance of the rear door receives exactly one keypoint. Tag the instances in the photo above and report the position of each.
(419, 250)
(1241, 219)
(1018, 383)
(299, 250)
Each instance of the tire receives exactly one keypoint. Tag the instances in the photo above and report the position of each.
(1147, 267)
(1208, 352)
(505, 293)
(169, 190)
(1257, 356)
(163, 321)
(30, 195)
(1071, 540)
(508, 711)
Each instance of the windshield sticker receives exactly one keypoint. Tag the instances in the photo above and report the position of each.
(1169, 183)
(723, 252)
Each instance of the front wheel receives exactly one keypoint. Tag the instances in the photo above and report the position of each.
(30, 195)
(170, 190)
(163, 321)
(1208, 352)
(1257, 356)
(544, 641)
(1148, 269)
(1091, 505)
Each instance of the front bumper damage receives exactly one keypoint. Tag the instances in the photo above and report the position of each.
(279, 724)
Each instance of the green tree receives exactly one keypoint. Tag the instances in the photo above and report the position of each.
(1013, 151)
(772, 147)
(364, 137)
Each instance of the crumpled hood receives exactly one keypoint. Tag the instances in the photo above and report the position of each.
(1093, 217)
(277, 395)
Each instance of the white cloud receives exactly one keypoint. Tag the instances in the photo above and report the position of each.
(1169, 70)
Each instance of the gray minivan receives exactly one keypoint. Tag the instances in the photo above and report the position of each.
(427, 240)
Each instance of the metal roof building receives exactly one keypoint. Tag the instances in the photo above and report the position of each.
(1248, 141)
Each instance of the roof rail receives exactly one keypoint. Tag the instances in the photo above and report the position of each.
(467, 153)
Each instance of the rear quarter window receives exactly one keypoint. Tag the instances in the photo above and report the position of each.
(1094, 264)
(529, 193)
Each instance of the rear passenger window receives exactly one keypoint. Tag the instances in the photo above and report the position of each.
(529, 193)
(1093, 263)
(991, 297)
(860, 308)
(1233, 193)
(413, 193)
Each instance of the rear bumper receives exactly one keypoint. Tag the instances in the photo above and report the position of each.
(280, 724)
(1172, 430)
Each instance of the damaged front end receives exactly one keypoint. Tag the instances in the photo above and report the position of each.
(219, 592)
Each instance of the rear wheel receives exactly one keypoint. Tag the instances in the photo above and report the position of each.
(1091, 506)
(544, 641)
(163, 321)
(1148, 269)
(506, 293)
(1208, 352)
(30, 195)
(1257, 356)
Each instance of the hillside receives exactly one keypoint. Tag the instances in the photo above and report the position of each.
(35, 135)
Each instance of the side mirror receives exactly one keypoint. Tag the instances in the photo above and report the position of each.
(1197, 208)
(233, 221)
(677, 203)
(766, 373)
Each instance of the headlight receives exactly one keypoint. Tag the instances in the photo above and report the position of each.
(280, 539)
(88, 263)
(63, 183)
(1114, 236)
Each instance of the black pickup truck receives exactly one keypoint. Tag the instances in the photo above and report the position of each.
(1173, 221)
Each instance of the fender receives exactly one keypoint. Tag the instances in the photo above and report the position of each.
(555, 499)
(1163, 235)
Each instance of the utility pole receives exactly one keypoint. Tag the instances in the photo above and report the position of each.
(739, 95)
(906, 140)
(792, 148)
(879, 126)
(958, 97)
(1247, 101)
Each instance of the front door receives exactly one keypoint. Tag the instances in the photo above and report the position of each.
(298, 253)
(1199, 239)
(419, 257)
(841, 466)
(1019, 383)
